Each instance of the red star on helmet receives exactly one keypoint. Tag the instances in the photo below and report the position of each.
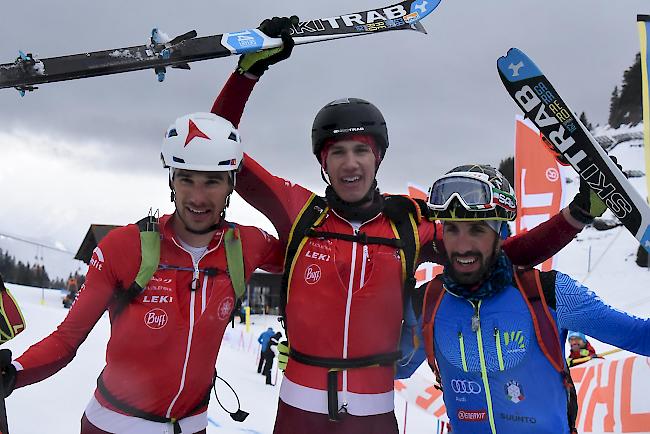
(194, 132)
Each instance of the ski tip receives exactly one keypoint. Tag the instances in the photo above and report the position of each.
(516, 66)
(645, 239)
(419, 27)
(421, 8)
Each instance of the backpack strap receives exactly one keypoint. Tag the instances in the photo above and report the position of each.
(235, 260)
(12, 320)
(150, 259)
(310, 216)
(538, 290)
(529, 284)
(405, 214)
(432, 299)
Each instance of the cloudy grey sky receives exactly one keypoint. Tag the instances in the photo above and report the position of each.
(87, 151)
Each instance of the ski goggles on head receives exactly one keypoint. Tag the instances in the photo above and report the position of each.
(466, 197)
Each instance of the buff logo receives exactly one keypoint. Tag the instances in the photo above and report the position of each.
(312, 274)
(531, 102)
(350, 20)
(156, 319)
(471, 415)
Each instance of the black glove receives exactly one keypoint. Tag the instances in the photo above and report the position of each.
(257, 63)
(586, 205)
(8, 372)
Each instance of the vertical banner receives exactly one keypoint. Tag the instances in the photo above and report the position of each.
(538, 181)
(643, 22)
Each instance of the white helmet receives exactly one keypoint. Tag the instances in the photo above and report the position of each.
(203, 142)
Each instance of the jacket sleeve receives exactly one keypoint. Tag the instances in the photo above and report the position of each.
(528, 249)
(578, 308)
(262, 250)
(411, 341)
(278, 199)
(540, 243)
(231, 101)
(50, 355)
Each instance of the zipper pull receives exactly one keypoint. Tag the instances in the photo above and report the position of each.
(195, 277)
(476, 322)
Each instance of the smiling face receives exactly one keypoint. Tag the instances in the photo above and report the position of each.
(200, 198)
(351, 167)
(471, 250)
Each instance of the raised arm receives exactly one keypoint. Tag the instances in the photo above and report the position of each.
(578, 308)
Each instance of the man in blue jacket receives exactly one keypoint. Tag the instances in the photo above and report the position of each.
(263, 340)
(493, 334)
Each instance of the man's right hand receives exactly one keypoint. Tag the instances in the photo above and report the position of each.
(8, 372)
(283, 355)
(257, 63)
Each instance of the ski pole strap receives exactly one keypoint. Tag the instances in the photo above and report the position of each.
(136, 412)
(360, 237)
(335, 366)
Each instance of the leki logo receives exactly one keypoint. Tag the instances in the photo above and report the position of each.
(156, 319)
(312, 274)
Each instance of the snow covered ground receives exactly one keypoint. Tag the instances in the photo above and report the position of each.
(604, 261)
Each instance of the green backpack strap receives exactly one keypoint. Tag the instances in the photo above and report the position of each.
(149, 249)
(235, 260)
(150, 258)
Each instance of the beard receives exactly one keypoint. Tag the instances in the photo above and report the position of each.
(473, 277)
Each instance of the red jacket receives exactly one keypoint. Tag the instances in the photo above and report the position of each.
(345, 299)
(164, 344)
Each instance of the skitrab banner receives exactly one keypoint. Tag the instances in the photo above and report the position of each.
(538, 181)
(612, 396)
(643, 22)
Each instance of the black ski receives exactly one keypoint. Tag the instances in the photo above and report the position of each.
(28, 71)
(532, 91)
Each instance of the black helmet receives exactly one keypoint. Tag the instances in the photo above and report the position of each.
(347, 116)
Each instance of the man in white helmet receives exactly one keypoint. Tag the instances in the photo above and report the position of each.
(166, 329)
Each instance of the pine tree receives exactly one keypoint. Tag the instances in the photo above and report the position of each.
(626, 107)
(585, 121)
(507, 167)
(613, 107)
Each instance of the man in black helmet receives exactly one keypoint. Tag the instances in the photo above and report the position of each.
(350, 260)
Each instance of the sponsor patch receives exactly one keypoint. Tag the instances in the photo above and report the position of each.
(471, 415)
(156, 319)
(466, 387)
(225, 307)
(514, 391)
(312, 274)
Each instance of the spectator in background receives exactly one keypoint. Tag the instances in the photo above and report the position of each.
(263, 340)
(580, 348)
(269, 355)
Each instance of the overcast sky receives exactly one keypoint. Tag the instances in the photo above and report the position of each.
(86, 151)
